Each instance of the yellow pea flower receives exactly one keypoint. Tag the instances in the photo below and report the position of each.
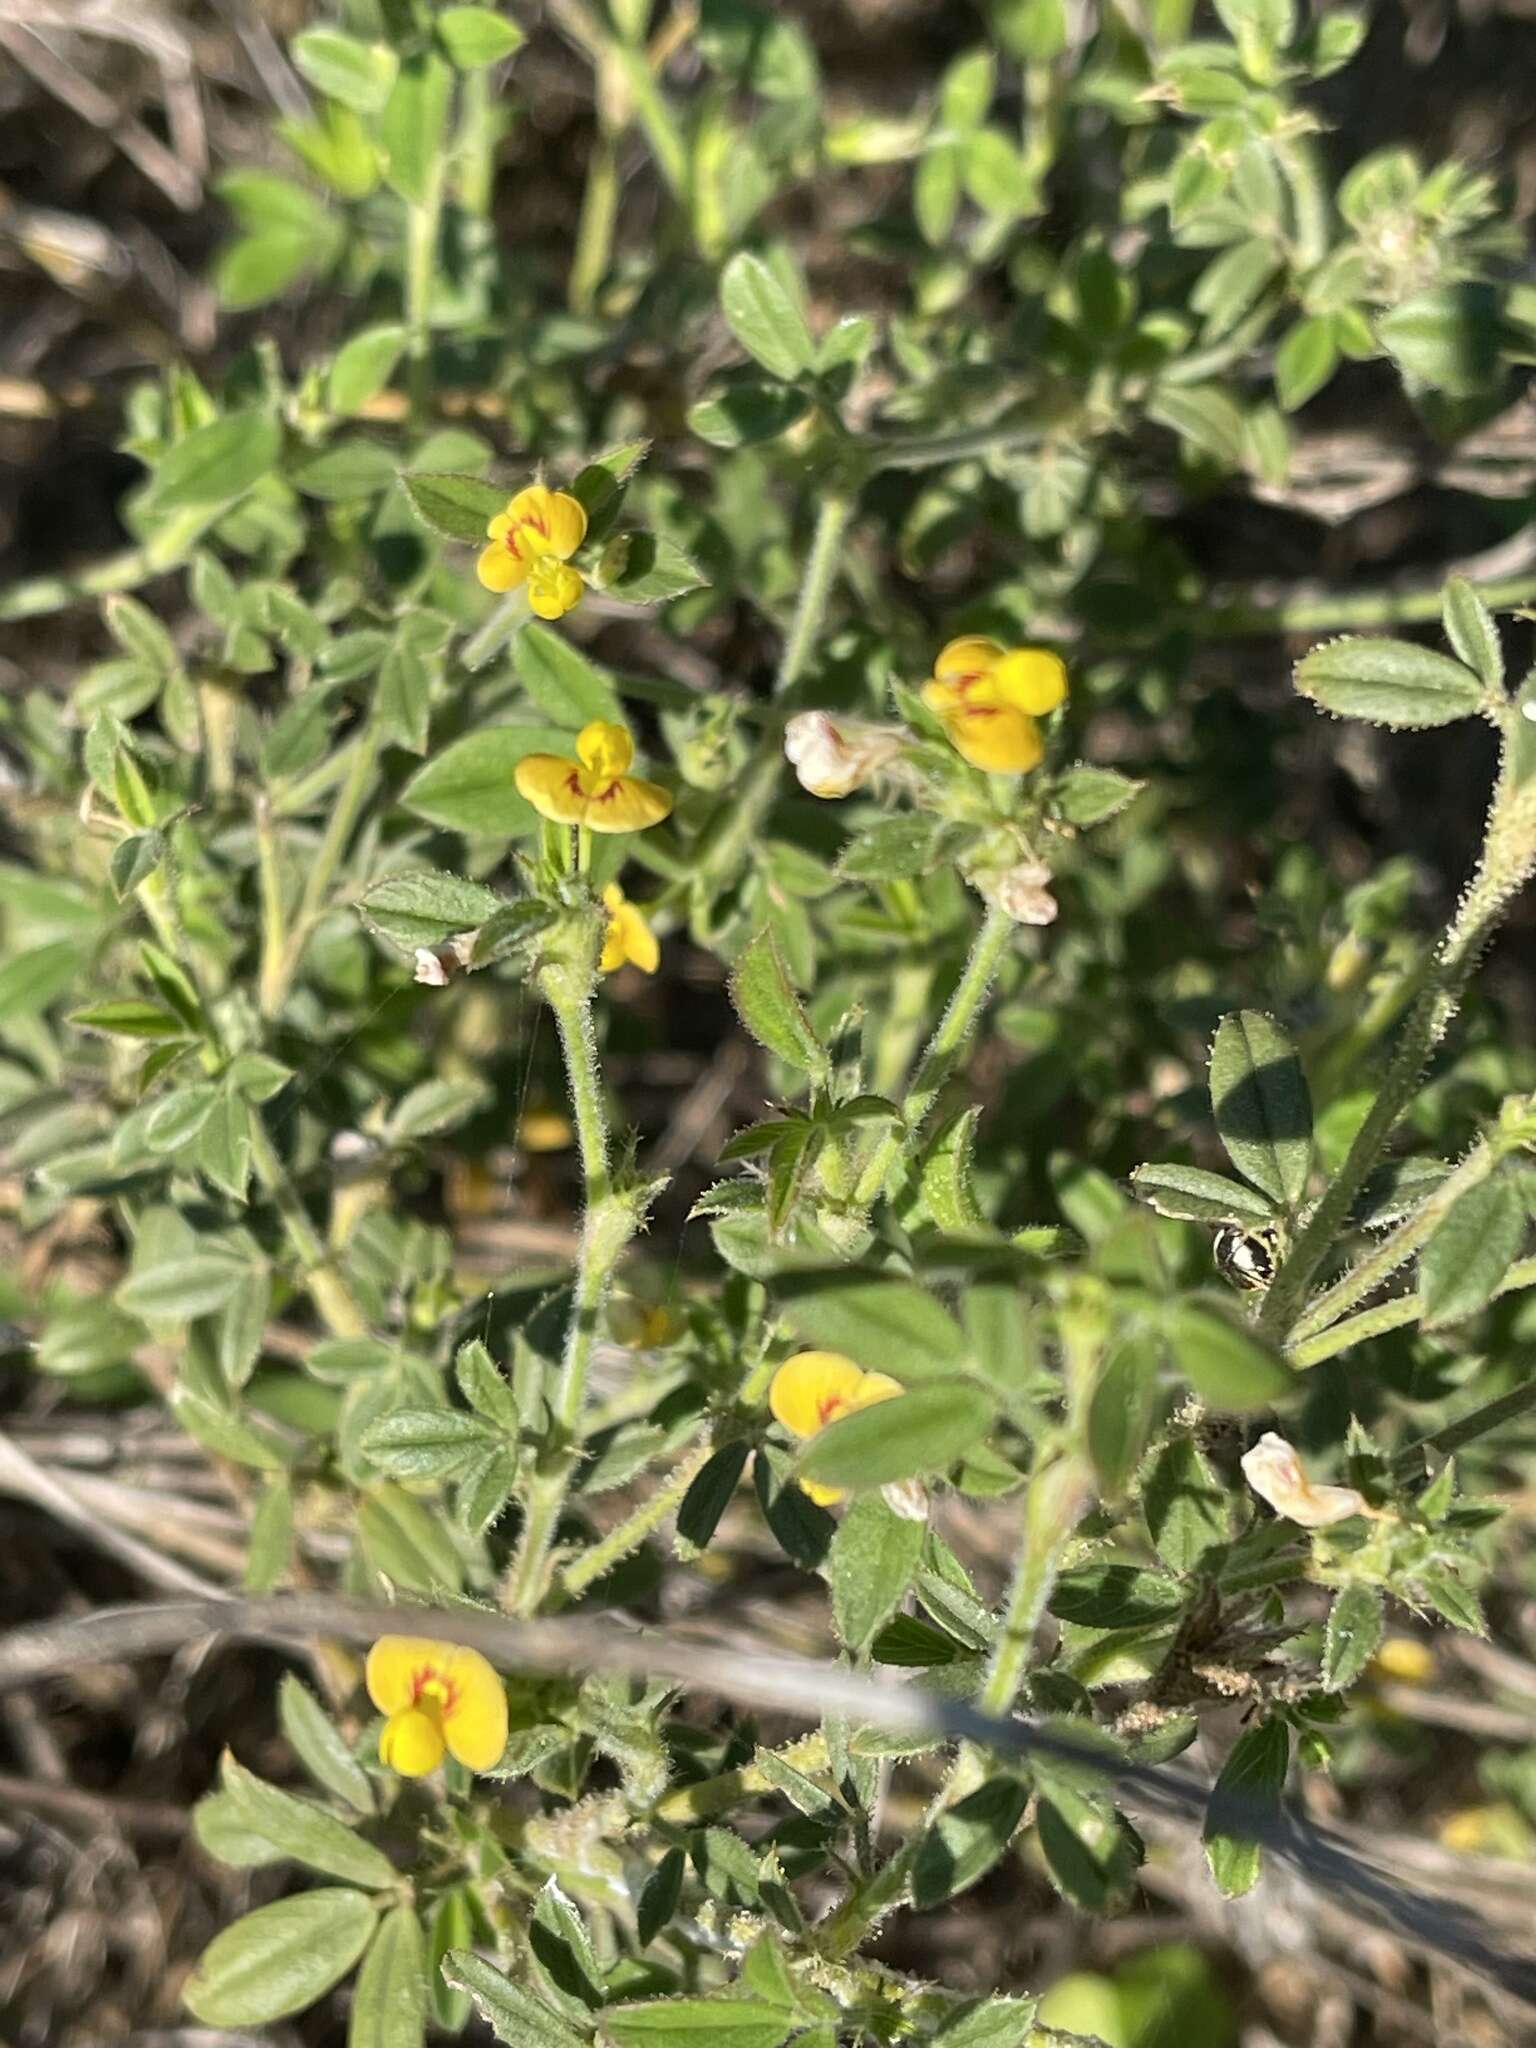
(989, 697)
(628, 938)
(814, 1388)
(532, 542)
(593, 790)
(1404, 1659)
(439, 1698)
(643, 1325)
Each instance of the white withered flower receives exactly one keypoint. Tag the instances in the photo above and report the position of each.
(1274, 1471)
(834, 757)
(1023, 894)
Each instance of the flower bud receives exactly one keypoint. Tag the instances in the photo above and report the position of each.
(1274, 1471)
(834, 758)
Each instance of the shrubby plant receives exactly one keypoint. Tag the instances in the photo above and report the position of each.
(842, 628)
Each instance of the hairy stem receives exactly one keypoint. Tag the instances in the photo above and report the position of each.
(278, 982)
(1390, 1315)
(1058, 1494)
(934, 1069)
(1399, 1245)
(328, 1291)
(629, 1534)
(421, 225)
(815, 589)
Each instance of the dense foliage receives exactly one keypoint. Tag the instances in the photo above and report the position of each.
(1053, 992)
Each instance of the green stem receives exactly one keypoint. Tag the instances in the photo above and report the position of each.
(587, 1569)
(1491, 1415)
(1058, 1493)
(1505, 865)
(938, 1061)
(507, 618)
(1399, 1245)
(594, 231)
(1390, 1315)
(820, 574)
(927, 451)
(421, 226)
(329, 1292)
(350, 799)
(1339, 611)
(608, 1223)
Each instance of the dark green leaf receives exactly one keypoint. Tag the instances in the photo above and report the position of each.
(468, 786)
(1227, 1364)
(1248, 1789)
(425, 907)
(767, 1004)
(320, 1746)
(1262, 1106)
(1354, 1630)
(459, 507)
(963, 1844)
(1462, 1266)
(1200, 1197)
(870, 1565)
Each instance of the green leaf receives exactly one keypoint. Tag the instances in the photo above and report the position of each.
(358, 74)
(885, 1325)
(407, 1543)
(995, 2022)
(389, 2005)
(128, 1018)
(568, 689)
(280, 1959)
(483, 1387)
(1086, 796)
(719, 2022)
(894, 850)
(1304, 361)
(320, 1746)
(30, 981)
(404, 698)
(459, 507)
(1229, 287)
(708, 1497)
(512, 2014)
(923, 1430)
(964, 1843)
(413, 125)
(745, 412)
(646, 568)
(473, 36)
(222, 1431)
(1185, 1506)
(179, 1116)
(1448, 339)
(764, 318)
(1117, 1596)
(363, 366)
(1203, 416)
(468, 786)
(425, 906)
(1250, 1785)
(870, 1565)
(936, 187)
(1228, 1365)
(134, 860)
(224, 1143)
(767, 1004)
(432, 1107)
(659, 1896)
(1463, 1264)
(179, 1289)
(304, 1831)
(1471, 631)
(1120, 1411)
(1391, 682)
(945, 1177)
(215, 464)
(966, 89)
(269, 1547)
(139, 633)
(1195, 1196)
(351, 467)
(1090, 1853)
(1355, 1624)
(1262, 1105)
(426, 1443)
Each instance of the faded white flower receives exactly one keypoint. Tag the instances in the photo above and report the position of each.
(1274, 1471)
(1022, 892)
(437, 965)
(907, 1498)
(835, 757)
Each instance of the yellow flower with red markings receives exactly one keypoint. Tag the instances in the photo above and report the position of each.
(814, 1388)
(628, 939)
(532, 542)
(440, 1698)
(989, 698)
(595, 789)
